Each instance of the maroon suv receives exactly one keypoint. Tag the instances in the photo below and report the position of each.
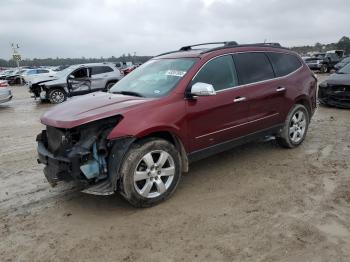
(178, 107)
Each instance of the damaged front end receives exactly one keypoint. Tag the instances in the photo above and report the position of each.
(334, 95)
(79, 154)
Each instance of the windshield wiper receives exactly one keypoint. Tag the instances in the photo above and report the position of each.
(128, 93)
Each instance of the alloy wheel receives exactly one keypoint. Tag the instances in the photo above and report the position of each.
(57, 96)
(297, 126)
(154, 174)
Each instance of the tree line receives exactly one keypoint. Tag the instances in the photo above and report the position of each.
(342, 44)
(72, 61)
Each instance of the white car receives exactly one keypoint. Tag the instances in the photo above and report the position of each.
(5, 92)
(38, 74)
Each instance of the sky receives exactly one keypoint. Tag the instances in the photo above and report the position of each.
(104, 28)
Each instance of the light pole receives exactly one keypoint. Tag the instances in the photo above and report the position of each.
(15, 55)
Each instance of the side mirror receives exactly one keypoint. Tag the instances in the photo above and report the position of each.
(202, 89)
(71, 77)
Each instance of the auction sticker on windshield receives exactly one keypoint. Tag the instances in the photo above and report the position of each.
(175, 73)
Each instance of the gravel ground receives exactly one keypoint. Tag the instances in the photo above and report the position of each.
(257, 202)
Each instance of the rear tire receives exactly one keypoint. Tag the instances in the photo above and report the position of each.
(295, 127)
(109, 86)
(150, 172)
(57, 96)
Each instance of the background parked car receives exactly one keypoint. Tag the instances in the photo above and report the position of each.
(128, 69)
(342, 63)
(5, 92)
(324, 62)
(76, 80)
(15, 78)
(37, 74)
(335, 91)
(4, 74)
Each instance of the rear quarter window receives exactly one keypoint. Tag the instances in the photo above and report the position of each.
(284, 64)
(252, 67)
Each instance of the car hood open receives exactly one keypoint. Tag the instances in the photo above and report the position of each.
(88, 108)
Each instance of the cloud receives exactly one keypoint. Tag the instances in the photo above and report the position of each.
(112, 27)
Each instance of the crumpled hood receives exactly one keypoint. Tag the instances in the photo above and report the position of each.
(338, 79)
(51, 81)
(43, 79)
(88, 108)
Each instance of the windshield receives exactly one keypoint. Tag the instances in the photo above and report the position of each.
(65, 72)
(320, 56)
(156, 78)
(346, 60)
(344, 70)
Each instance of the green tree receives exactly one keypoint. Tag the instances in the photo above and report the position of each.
(344, 44)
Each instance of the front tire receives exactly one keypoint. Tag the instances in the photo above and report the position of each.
(150, 172)
(57, 96)
(295, 127)
(324, 69)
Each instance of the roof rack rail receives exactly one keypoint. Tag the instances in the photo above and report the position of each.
(167, 53)
(278, 45)
(226, 43)
(269, 44)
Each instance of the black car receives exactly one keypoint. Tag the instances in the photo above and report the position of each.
(342, 63)
(335, 91)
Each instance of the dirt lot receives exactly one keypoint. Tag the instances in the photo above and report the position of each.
(257, 202)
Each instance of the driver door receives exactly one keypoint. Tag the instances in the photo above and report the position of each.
(79, 81)
(217, 118)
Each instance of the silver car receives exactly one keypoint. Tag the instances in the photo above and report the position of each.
(5, 92)
(76, 80)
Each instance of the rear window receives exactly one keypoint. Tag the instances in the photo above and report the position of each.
(252, 67)
(95, 70)
(284, 64)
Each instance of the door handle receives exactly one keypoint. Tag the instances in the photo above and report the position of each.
(239, 99)
(280, 89)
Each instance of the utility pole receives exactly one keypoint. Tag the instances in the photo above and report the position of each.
(16, 55)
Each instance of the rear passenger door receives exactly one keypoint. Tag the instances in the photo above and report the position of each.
(99, 77)
(264, 95)
(289, 83)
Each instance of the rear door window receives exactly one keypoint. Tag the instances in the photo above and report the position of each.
(252, 67)
(284, 64)
(219, 72)
(42, 71)
(95, 70)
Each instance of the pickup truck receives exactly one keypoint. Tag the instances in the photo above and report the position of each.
(324, 62)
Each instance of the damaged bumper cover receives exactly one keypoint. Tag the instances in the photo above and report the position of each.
(81, 156)
(335, 95)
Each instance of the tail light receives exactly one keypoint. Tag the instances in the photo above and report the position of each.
(3, 84)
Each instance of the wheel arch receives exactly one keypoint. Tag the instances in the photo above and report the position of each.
(173, 139)
(111, 81)
(303, 100)
(50, 88)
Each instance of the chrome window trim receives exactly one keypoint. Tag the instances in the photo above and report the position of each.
(228, 128)
(253, 83)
